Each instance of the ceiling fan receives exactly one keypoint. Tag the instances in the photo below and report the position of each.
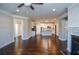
(29, 5)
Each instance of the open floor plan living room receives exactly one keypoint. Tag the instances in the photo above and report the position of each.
(39, 29)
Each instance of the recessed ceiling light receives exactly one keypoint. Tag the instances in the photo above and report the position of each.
(53, 9)
(17, 10)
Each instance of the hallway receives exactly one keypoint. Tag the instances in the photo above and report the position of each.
(34, 46)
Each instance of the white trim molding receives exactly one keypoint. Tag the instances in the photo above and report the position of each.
(6, 44)
(12, 15)
(6, 13)
(21, 17)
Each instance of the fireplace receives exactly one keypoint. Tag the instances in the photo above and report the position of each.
(75, 45)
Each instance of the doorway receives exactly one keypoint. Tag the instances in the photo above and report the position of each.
(18, 32)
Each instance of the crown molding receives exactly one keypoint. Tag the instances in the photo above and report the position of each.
(12, 15)
(6, 13)
(20, 17)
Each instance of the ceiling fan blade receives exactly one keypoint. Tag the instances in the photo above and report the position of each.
(38, 3)
(20, 5)
(31, 7)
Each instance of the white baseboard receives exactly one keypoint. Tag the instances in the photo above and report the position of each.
(69, 51)
(6, 44)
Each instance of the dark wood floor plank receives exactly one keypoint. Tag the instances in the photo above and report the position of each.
(47, 45)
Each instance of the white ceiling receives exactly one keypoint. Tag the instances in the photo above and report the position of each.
(41, 11)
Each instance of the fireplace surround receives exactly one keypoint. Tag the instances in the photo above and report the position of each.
(74, 45)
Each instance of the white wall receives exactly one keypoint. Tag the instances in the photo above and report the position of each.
(73, 16)
(26, 29)
(57, 28)
(63, 31)
(19, 30)
(62, 25)
(73, 23)
(31, 26)
(6, 29)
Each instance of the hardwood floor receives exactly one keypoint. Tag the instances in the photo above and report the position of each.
(38, 45)
(64, 47)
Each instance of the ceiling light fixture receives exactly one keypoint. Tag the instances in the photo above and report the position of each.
(53, 9)
(27, 4)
